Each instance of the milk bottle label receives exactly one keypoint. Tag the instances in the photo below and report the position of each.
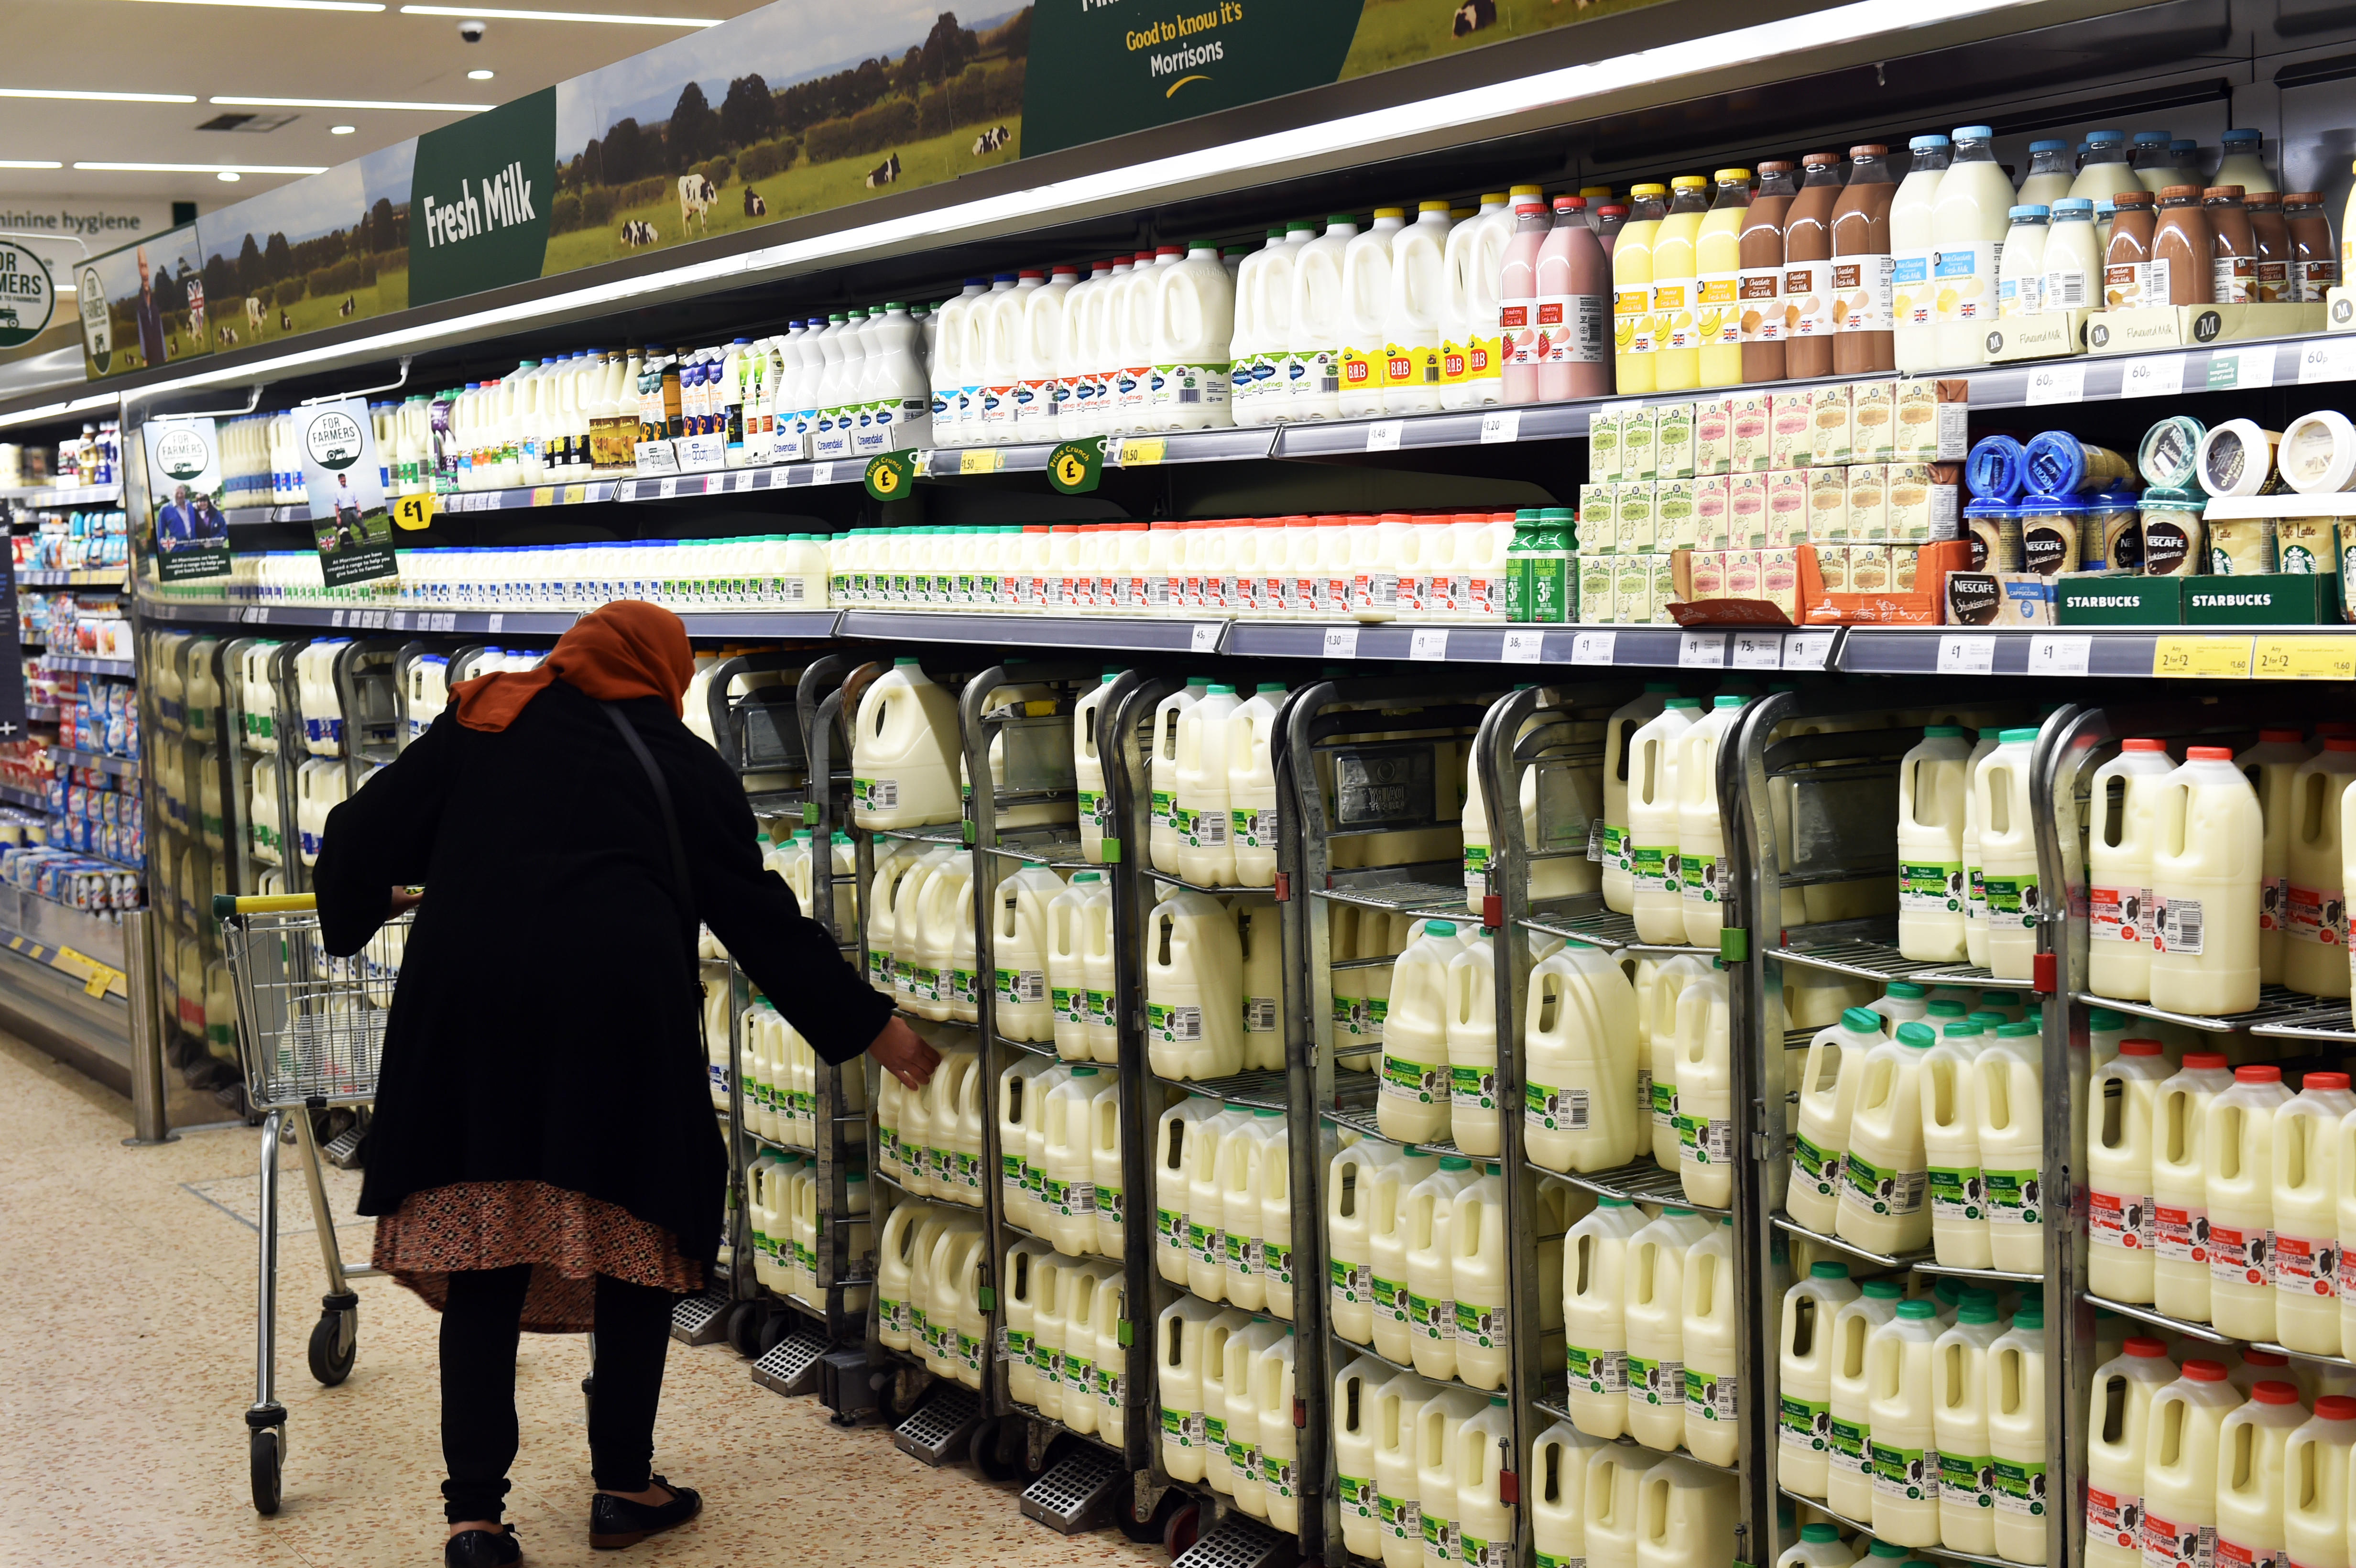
(1200, 829)
(1109, 1386)
(1068, 1199)
(1803, 1425)
(875, 795)
(1632, 326)
(1184, 1428)
(1912, 302)
(1431, 1319)
(1357, 1497)
(1242, 1253)
(1850, 1442)
(2307, 1266)
(1546, 1560)
(1417, 1083)
(2234, 1555)
(1702, 879)
(1401, 1518)
(1092, 806)
(1165, 802)
(2008, 901)
(1012, 1174)
(1046, 1361)
(1439, 1538)
(1957, 1193)
(1207, 1243)
(2168, 1544)
(1965, 1476)
(2114, 1518)
(2238, 1256)
(1360, 369)
(2018, 1487)
(1703, 1141)
(893, 1314)
(1168, 1024)
(1014, 1345)
(1259, 1015)
(1813, 1169)
(2119, 914)
(1709, 1396)
(1966, 276)
(1759, 299)
(1390, 1298)
(2176, 925)
(879, 969)
(2318, 915)
(1654, 866)
(1079, 1374)
(1553, 1110)
(1810, 309)
(1474, 1088)
(2179, 1234)
(1276, 1262)
(1661, 1099)
(1097, 1009)
(1352, 1283)
(1071, 1004)
(1930, 887)
(1907, 1475)
(1254, 829)
(1865, 293)
(1243, 1458)
(1656, 1383)
(1884, 1191)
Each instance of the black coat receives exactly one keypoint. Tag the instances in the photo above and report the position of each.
(545, 1027)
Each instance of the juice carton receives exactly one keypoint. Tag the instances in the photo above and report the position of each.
(1827, 505)
(1869, 503)
(1787, 507)
(1746, 510)
(1673, 442)
(1830, 425)
(1792, 429)
(1873, 421)
(1711, 494)
(1637, 452)
(1713, 428)
(1749, 427)
(1673, 514)
(1604, 456)
(1633, 516)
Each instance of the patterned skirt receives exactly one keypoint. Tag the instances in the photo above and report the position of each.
(569, 1238)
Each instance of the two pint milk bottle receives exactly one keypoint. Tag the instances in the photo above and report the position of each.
(1848, 1463)
(1705, 1093)
(2306, 1187)
(2017, 1447)
(1701, 836)
(2318, 1487)
(2207, 841)
(2007, 893)
(1959, 1420)
(2316, 933)
(2120, 820)
(1904, 1438)
(1355, 1416)
(1579, 1110)
(1804, 1377)
(1476, 1281)
(2250, 1449)
(2179, 1478)
(2180, 1184)
(1656, 894)
(1959, 1228)
(1655, 1316)
(1558, 1462)
(1711, 1394)
(1595, 1322)
(1619, 734)
(2117, 1441)
(1931, 892)
(1827, 1090)
(1418, 1083)
(1885, 1175)
(2121, 1230)
(2007, 1112)
(2238, 1169)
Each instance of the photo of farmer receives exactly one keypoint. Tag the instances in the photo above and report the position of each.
(188, 520)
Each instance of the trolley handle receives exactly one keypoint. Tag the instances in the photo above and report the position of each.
(227, 905)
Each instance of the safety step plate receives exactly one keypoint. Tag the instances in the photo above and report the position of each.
(791, 1365)
(1236, 1542)
(343, 1150)
(700, 1320)
(941, 1429)
(1078, 1493)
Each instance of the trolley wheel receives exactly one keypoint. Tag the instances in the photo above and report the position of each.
(1047, 1460)
(334, 1344)
(745, 1321)
(1183, 1528)
(997, 1449)
(903, 1392)
(1148, 1531)
(774, 1332)
(269, 1451)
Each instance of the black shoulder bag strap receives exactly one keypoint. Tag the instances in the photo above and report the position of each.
(685, 887)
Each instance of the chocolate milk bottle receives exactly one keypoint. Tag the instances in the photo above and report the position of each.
(1808, 298)
(1762, 288)
(2314, 258)
(1862, 265)
(2126, 260)
(2272, 232)
(2182, 255)
(2232, 246)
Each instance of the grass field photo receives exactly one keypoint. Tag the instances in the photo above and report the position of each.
(1393, 33)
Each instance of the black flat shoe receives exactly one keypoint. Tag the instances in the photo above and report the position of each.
(482, 1549)
(616, 1522)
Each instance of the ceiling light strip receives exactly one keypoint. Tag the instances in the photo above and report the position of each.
(79, 95)
(248, 102)
(206, 168)
(282, 4)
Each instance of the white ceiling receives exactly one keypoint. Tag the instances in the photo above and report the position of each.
(206, 49)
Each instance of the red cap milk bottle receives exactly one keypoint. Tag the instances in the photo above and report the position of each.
(2179, 1185)
(2119, 1227)
(2119, 853)
(2238, 1161)
(2305, 1242)
(2206, 839)
(2271, 766)
(2317, 1491)
(2180, 1468)
(2118, 1440)
(2250, 1446)
(2317, 930)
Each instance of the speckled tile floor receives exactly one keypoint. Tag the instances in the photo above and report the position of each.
(126, 1303)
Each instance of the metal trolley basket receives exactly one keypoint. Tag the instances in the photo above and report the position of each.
(310, 1030)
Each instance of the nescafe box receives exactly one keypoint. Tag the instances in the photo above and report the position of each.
(1999, 599)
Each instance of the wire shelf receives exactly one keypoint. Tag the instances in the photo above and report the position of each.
(2281, 1014)
(1353, 1347)
(1881, 961)
(1945, 1553)
(1554, 1399)
(1355, 1095)
(1439, 900)
(1062, 854)
(953, 833)
(1262, 1088)
(1785, 1223)
(1598, 926)
(1178, 881)
(1035, 1047)
(2207, 1333)
(1638, 1181)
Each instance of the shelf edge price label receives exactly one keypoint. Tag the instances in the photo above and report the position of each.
(1523, 647)
(1593, 647)
(1206, 638)
(1426, 644)
(2062, 653)
(1701, 650)
(1759, 650)
(2305, 658)
(1341, 642)
(2328, 360)
(2157, 375)
(1076, 467)
(981, 460)
(1382, 435)
(2058, 383)
(1807, 650)
(1501, 424)
(1966, 655)
(413, 512)
(891, 475)
(2190, 658)
(1143, 452)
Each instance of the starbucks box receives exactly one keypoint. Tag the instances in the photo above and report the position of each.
(2279, 599)
(2117, 599)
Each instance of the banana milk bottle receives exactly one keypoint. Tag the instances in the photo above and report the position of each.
(1931, 788)
(2206, 854)
(2316, 933)
(2305, 1246)
(1658, 895)
(1653, 1312)
(1355, 1416)
(1619, 731)
(1959, 1228)
(2118, 1435)
(2179, 1185)
(1579, 1110)
(2318, 1490)
(2250, 1446)
(1959, 1420)
(1898, 1359)
(1705, 1095)
(2121, 1229)
(1849, 1464)
(2180, 1484)
(1708, 1328)
(1804, 1377)
(1884, 1175)
(1595, 1319)
(2237, 1150)
(1416, 1081)
(1398, 1503)
(1558, 1462)
(1827, 1090)
(2120, 820)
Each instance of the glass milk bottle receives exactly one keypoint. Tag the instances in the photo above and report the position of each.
(1967, 226)
(2206, 837)
(1914, 297)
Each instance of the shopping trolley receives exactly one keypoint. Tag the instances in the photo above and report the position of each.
(310, 1030)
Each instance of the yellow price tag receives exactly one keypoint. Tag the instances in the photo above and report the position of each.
(1143, 452)
(2216, 659)
(543, 494)
(2306, 658)
(413, 512)
(575, 494)
(99, 979)
(981, 460)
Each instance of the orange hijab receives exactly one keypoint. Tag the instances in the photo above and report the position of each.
(629, 648)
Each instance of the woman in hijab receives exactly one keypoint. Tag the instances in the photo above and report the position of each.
(545, 1155)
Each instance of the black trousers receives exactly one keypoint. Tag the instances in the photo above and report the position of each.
(479, 1329)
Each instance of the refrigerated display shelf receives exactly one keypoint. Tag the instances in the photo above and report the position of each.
(2281, 1013)
(2207, 1333)
(42, 497)
(1058, 854)
(1216, 892)
(1881, 961)
(1588, 922)
(81, 664)
(1035, 1047)
(1436, 901)
(1554, 1400)
(1988, 1275)
(951, 833)
(1367, 1351)
(1262, 1088)
(1785, 1223)
(1111, 633)
(1355, 1095)
(1638, 1181)
(106, 762)
(1946, 1554)
(70, 576)
(15, 795)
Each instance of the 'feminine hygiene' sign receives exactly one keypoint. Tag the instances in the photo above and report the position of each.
(346, 488)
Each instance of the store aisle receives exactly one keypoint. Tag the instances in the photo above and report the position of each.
(126, 1304)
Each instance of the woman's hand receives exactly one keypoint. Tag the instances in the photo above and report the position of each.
(903, 1053)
